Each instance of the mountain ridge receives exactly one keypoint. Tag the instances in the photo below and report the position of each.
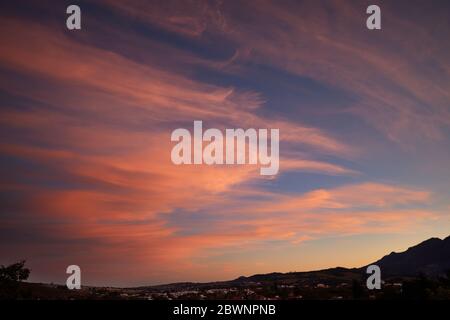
(430, 257)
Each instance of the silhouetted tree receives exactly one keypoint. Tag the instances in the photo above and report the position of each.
(14, 272)
(10, 278)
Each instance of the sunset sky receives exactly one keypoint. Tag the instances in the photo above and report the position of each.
(86, 118)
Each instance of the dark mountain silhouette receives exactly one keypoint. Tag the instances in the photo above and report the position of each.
(421, 270)
(332, 276)
(430, 257)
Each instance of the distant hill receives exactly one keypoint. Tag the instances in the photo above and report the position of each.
(430, 257)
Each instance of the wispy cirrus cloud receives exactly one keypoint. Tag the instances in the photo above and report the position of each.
(85, 145)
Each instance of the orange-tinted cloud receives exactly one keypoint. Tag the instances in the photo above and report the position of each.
(93, 182)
